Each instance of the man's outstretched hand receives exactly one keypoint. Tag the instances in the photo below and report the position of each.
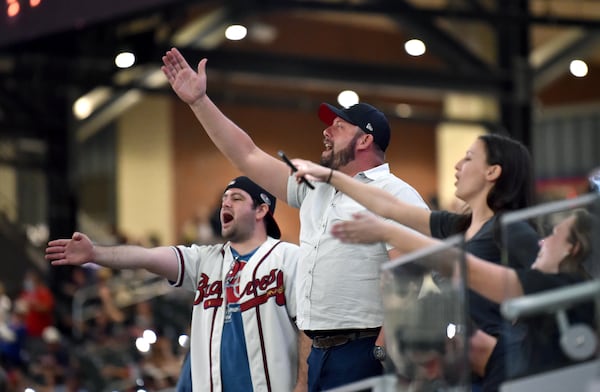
(77, 250)
(188, 84)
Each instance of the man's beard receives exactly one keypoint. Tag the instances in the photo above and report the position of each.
(234, 235)
(342, 157)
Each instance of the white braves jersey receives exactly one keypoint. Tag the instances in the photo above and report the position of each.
(268, 306)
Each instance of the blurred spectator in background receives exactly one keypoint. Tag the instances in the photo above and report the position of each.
(111, 310)
(74, 381)
(50, 367)
(200, 229)
(160, 368)
(142, 318)
(5, 305)
(594, 180)
(39, 302)
(78, 278)
(13, 353)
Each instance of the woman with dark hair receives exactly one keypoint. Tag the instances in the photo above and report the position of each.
(494, 176)
(514, 189)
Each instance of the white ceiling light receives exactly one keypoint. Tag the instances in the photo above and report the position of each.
(236, 32)
(578, 68)
(414, 47)
(347, 98)
(88, 103)
(125, 60)
(82, 108)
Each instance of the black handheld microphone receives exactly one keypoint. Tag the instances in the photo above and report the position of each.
(294, 169)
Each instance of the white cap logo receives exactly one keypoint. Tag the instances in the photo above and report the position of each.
(265, 199)
(369, 127)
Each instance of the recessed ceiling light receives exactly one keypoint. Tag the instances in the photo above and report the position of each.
(125, 60)
(415, 47)
(578, 68)
(347, 98)
(235, 32)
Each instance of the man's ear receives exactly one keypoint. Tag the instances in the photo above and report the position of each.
(365, 141)
(493, 172)
(261, 211)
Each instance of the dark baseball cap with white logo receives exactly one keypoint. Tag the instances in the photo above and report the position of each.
(368, 118)
(260, 196)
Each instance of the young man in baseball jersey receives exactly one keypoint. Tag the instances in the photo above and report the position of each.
(243, 335)
(339, 298)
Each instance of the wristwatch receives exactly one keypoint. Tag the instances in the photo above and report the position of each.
(379, 353)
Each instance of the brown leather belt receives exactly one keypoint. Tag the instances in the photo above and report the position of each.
(325, 342)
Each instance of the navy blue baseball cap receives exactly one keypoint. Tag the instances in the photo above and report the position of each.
(260, 196)
(368, 118)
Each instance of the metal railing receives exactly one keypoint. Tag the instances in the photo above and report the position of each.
(125, 292)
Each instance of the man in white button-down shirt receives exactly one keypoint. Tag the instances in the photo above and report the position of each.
(338, 297)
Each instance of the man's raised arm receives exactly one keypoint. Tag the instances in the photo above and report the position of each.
(79, 250)
(231, 140)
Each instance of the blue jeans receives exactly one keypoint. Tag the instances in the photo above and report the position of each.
(340, 365)
(184, 384)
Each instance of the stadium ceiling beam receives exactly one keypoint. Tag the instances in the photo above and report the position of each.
(456, 55)
(283, 67)
(409, 17)
(549, 62)
(292, 68)
(499, 15)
